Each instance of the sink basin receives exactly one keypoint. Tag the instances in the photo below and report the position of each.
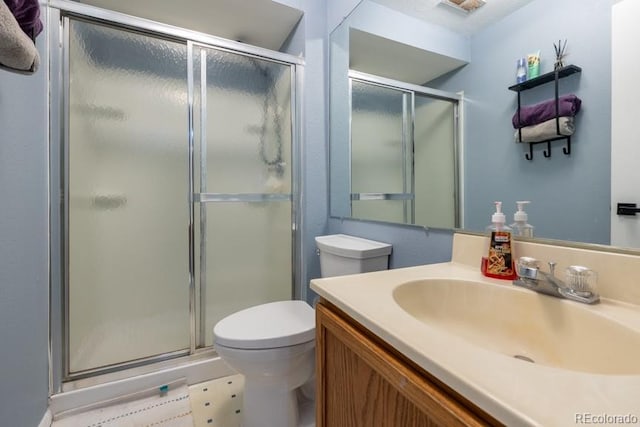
(532, 327)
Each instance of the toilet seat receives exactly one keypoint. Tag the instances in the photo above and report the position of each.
(271, 325)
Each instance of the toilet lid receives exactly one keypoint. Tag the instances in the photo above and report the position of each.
(272, 325)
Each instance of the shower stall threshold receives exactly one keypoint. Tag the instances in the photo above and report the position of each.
(203, 366)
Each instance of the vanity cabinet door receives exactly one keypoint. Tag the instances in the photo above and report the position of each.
(362, 384)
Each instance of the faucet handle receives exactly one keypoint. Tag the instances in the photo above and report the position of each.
(527, 267)
(552, 268)
(581, 280)
(527, 261)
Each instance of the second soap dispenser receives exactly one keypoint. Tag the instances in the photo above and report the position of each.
(521, 227)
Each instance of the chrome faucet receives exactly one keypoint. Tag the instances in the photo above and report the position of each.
(531, 277)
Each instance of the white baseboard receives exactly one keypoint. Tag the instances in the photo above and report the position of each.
(198, 371)
(47, 418)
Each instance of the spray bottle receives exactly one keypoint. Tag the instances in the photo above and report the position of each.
(520, 227)
(498, 262)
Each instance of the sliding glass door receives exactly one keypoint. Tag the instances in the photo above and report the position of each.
(403, 153)
(434, 162)
(243, 129)
(380, 143)
(127, 204)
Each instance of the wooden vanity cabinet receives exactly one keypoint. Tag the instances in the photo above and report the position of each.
(364, 382)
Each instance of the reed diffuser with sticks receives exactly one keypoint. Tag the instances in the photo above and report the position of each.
(560, 54)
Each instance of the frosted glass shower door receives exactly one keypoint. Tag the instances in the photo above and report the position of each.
(380, 153)
(435, 162)
(127, 201)
(243, 124)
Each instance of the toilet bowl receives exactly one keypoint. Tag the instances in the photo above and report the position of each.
(273, 344)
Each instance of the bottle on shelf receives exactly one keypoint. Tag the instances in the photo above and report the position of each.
(521, 70)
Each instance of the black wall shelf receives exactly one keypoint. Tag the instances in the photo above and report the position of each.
(546, 78)
(552, 76)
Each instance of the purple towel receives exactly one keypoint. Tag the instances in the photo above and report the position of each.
(568, 106)
(27, 13)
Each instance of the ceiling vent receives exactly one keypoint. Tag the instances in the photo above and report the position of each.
(465, 6)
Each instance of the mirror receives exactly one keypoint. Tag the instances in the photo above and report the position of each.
(570, 194)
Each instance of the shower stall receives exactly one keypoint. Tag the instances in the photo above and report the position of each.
(173, 158)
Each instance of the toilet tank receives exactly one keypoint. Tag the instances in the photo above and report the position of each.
(341, 254)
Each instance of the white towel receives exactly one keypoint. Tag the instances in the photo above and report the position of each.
(18, 53)
(546, 130)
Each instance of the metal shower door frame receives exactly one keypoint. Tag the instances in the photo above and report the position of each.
(59, 12)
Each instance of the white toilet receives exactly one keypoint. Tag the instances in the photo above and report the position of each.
(273, 344)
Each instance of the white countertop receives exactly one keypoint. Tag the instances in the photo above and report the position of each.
(512, 391)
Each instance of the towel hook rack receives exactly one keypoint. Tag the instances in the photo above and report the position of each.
(547, 151)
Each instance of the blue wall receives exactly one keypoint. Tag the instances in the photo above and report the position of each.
(24, 246)
(570, 194)
(314, 163)
(310, 40)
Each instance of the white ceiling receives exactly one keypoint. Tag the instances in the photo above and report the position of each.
(264, 23)
(434, 12)
(387, 58)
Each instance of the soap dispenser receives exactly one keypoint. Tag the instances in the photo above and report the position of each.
(520, 226)
(498, 261)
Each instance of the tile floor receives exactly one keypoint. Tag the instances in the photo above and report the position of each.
(217, 403)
